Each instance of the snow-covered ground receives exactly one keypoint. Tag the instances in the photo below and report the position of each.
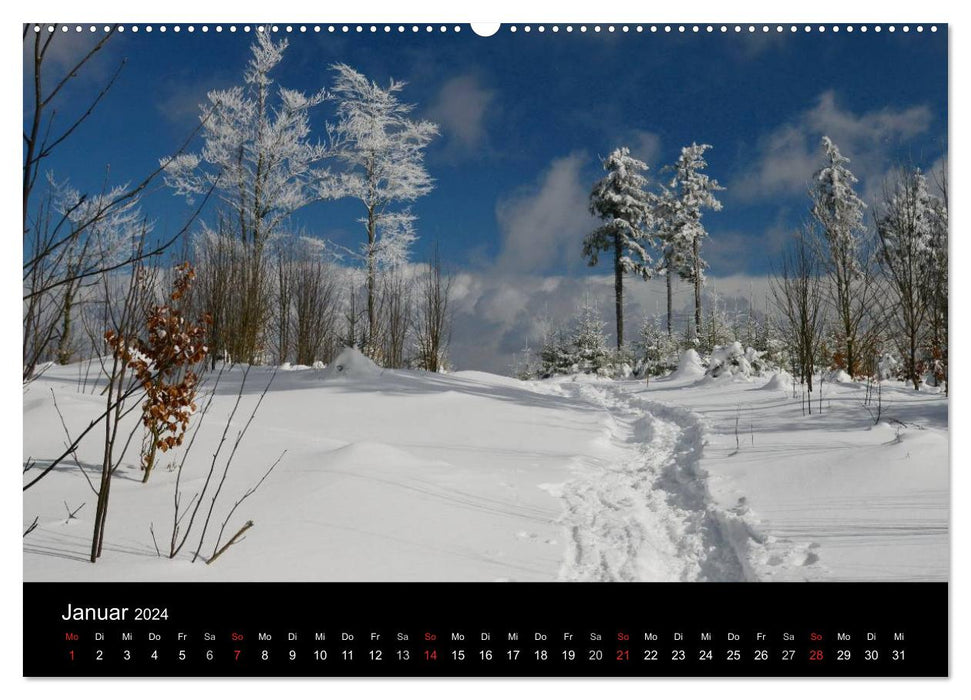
(394, 476)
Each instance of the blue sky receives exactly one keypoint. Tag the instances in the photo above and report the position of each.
(524, 118)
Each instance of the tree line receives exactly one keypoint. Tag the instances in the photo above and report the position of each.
(865, 295)
(273, 294)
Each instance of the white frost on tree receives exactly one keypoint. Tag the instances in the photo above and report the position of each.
(105, 231)
(839, 212)
(382, 150)
(906, 232)
(258, 155)
(688, 194)
(589, 341)
(837, 207)
(621, 200)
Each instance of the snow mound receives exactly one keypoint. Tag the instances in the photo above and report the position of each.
(732, 360)
(779, 381)
(837, 376)
(689, 366)
(351, 364)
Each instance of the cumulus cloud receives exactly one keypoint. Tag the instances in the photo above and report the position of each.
(496, 315)
(788, 156)
(543, 225)
(461, 108)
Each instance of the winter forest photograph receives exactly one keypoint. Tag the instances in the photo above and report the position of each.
(405, 303)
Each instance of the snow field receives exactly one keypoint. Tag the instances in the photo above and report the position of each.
(395, 476)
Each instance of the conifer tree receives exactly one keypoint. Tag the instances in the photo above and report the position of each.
(621, 200)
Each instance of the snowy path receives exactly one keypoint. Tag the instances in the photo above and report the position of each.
(411, 476)
(646, 517)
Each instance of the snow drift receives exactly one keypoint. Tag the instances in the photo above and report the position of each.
(351, 364)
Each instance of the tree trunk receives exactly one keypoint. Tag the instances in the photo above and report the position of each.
(619, 293)
(697, 264)
(670, 285)
(371, 273)
(64, 343)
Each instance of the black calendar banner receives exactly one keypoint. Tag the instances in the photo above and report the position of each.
(426, 629)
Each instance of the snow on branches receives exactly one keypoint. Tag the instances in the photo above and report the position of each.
(837, 207)
(622, 201)
(258, 154)
(382, 151)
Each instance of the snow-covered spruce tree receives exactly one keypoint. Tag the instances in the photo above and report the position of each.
(556, 354)
(259, 159)
(693, 191)
(905, 229)
(716, 325)
(657, 349)
(621, 200)
(589, 340)
(846, 260)
(382, 149)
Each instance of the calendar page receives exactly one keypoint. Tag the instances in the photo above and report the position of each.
(611, 349)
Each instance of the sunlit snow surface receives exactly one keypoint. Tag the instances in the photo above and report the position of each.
(395, 476)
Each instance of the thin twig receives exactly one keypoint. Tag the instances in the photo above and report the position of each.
(246, 495)
(33, 526)
(232, 541)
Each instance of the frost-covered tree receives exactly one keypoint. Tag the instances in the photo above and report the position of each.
(839, 212)
(555, 353)
(657, 349)
(260, 159)
(905, 228)
(104, 231)
(382, 149)
(589, 340)
(258, 154)
(621, 200)
(689, 192)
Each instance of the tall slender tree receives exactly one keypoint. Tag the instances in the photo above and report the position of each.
(260, 159)
(382, 149)
(621, 200)
(839, 211)
(905, 228)
(692, 192)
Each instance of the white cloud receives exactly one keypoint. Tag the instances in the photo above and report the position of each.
(460, 109)
(646, 146)
(495, 315)
(543, 226)
(790, 154)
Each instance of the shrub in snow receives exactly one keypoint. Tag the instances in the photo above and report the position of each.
(164, 365)
(351, 363)
(658, 351)
(584, 350)
(889, 367)
(734, 361)
(689, 366)
(589, 342)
